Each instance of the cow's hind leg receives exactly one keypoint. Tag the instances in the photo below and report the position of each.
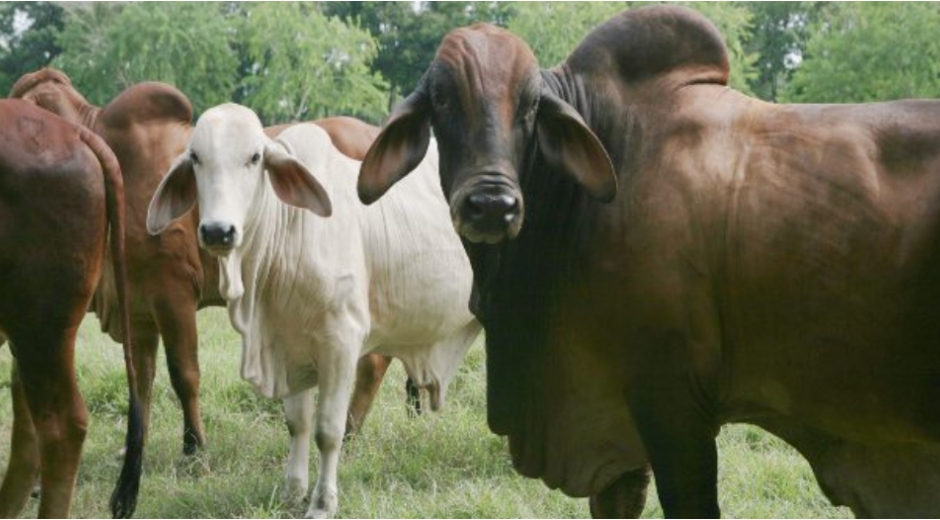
(336, 381)
(370, 371)
(23, 468)
(145, 344)
(176, 318)
(58, 412)
(298, 411)
(624, 498)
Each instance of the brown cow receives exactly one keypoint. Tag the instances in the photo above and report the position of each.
(60, 190)
(170, 278)
(769, 264)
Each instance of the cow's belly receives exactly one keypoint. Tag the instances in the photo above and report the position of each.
(860, 372)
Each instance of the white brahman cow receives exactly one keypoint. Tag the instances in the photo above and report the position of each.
(314, 279)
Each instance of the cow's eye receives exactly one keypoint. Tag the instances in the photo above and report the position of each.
(255, 158)
(193, 157)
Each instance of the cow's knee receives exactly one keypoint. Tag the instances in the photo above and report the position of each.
(329, 435)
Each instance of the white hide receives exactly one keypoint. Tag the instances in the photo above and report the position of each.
(310, 295)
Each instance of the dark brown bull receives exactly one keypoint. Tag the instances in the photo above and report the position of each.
(769, 264)
(170, 278)
(60, 191)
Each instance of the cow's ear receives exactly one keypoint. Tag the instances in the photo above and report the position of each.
(175, 195)
(293, 183)
(566, 142)
(398, 149)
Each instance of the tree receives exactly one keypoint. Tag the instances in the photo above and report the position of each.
(409, 34)
(285, 60)
(308, 65)
(109, 47)
(28, 33)
(870, 51)
(780, 31)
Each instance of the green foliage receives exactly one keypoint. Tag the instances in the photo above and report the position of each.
(306, 65)
(109, 47)
(870, 51)
(409, 34)
(285, 60)
(779, 34)
(25, 48)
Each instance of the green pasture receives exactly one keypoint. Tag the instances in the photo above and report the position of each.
(443, 465)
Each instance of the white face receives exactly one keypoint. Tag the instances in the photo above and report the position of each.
(225, 168)
(227, 151)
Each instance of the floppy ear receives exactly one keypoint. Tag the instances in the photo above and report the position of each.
(175, 195)
(398, 149)
(566, 142)
(293, 183)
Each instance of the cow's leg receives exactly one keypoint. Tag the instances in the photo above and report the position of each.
(680, 442)
(59, 415)
(369, 374)
(146, 341)
(298, 411)
(336, 381)
(624, 498)
(176, 318)
(23, 467)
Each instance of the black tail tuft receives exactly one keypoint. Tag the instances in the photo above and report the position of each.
(124, 497)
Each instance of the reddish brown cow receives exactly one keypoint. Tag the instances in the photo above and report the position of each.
(656, 254)
(60, 190)
(170, 278)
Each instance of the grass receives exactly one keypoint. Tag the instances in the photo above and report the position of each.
(444, 465)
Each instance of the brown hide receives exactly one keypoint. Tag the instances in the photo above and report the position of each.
(148, 126)
(60, 192)
(771, 264)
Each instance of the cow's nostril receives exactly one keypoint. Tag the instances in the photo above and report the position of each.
(486, 204)
(217, 234)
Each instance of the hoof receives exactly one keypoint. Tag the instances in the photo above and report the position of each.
(318, 513)
(295, 491)
(323, 505)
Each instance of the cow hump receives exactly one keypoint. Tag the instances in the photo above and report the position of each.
(649, 43)
(147, 102)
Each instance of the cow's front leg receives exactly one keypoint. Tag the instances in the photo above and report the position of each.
(337, 374)
(298, 412)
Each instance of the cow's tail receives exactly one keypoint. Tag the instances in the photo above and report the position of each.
(124, 497)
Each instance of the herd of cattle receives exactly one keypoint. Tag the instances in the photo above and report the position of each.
(651, 254)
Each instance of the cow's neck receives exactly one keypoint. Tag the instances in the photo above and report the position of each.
(265, 223)
(524, 280)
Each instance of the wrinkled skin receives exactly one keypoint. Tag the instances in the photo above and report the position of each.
(147, 126)
(60, 193)
(770, 264)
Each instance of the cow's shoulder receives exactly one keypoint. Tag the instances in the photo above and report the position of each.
(655, 43)
(148, 102)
